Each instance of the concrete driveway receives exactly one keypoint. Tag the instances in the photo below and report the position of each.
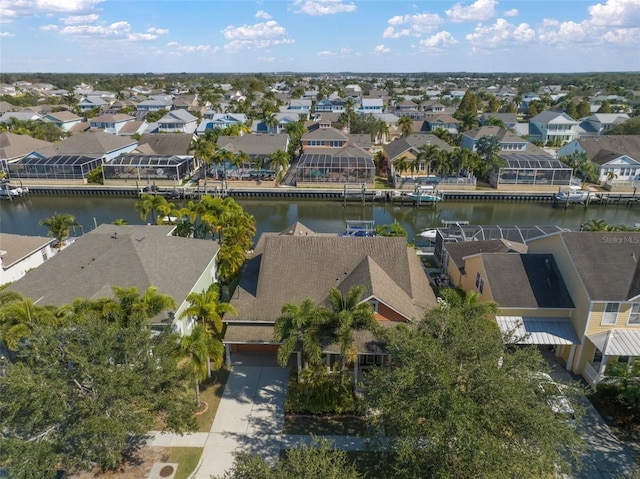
(250, 416)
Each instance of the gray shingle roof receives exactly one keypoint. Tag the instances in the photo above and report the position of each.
(413, 142)
(14, 146)
(124, 256)
(91, 144)
(608, 263)
(526, 281)
(257, 144)
(606, 148)
(288, 268)
(458, 251)
(165, 144)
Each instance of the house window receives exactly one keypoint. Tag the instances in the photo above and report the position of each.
(373, 303)
(634, 315)
(44, 255)
(479, 283)
(610, 313)
(597, 356)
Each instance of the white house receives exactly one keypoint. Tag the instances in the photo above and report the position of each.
(551, 126)
(110, 123)
(599, 123)
(178, 121)
(19, 254)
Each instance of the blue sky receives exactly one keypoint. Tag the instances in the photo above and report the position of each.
(124, 36)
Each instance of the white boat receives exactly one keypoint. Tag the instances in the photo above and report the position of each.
(572, 196)
(428, 234)
(425, 194)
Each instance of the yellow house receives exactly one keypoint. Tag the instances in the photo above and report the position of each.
(602, 273)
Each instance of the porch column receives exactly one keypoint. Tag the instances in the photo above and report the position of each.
(572, 352)
(227, 354)
(355, 371)
(328, 361)
(601, 369)
(299, 360)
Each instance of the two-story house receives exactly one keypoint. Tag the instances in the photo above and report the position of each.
(602, 273)
(600, 123)
(617, 158)
(553, 126)
(371, 105)
(178, 121)
(212, 120)
(19, 254)
(64, 120)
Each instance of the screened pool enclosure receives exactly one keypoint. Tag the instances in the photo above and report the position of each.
(58, 167)
(148, 167)
(325, 168)
(531, 170)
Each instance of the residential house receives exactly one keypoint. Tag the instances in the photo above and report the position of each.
(390, 272)
(91, 144)
(599, 123)
(324, 136)
(178, 144)
(20, 116)
(126, 256)
(510, 120)
(213, 120)
(156, 103)
(178, 121)
(327, 105)
(601, 271)
(92, 102)
(432, 107)
(409, 148)
(20, 254)
(255, 146)
(371, 105)
(301, 106)
(14, 147)
(64, 120)
(442, 121)
(617, 157)
(553, 127)
(110, 123)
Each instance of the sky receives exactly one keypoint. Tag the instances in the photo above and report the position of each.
(385, 36)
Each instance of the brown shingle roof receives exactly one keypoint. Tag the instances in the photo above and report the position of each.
(13, 248)
(165, 144)
(15, 146)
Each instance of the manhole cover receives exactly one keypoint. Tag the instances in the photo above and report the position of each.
(166, 471)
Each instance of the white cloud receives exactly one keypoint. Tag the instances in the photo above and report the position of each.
(6, 34)
(615, 13)
(267, 59)
(322, 7)
(478, 11)
(80, 19)
(511, 13)
(176, 47)
(381, 49)
(438, 42)
(415, 25)
(158, 31)
(339, 53)
(260, 35)
(12, 9)
(262, 14)
(501, 34)
(49, 28)
(623, 36)
(117, 31)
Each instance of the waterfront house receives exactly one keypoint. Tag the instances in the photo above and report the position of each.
(298, 263)
(256, 146)
(126, 256)
(601, 271)
(20, 254)
(14, 147)
(617, 158)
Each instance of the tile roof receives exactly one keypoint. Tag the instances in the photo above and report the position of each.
(124, 256)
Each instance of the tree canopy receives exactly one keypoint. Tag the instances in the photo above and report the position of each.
(458, 403)
(83, 393)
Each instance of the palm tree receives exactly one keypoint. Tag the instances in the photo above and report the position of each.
(279, 159)
(400, 164)
(18, 315)
(136, 309)
(196, 349)
(150, 204)
(348, 314)
(271, 121)
(300, 326)
(203, 150)
(406, 125)
(468, 120)
(207, 309)
(119, 222)
(427, 153)
(596, 225)
(230, 260)
(60, 227)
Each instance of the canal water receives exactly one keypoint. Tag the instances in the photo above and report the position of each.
(23, 215)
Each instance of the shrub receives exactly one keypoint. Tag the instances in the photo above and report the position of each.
(321, 392)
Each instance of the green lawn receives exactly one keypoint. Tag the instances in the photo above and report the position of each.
(346, 425)
(187, 459)
(211, 393)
